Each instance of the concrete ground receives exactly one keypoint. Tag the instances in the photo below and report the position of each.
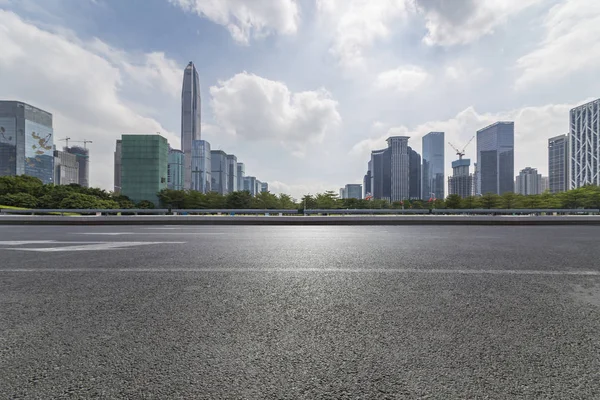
(328, 312)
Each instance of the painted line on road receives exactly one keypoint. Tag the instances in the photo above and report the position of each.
(334, 270)
(91, 247)
(146, 233)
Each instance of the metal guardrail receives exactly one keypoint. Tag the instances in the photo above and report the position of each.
(144, 211)
(441, 211)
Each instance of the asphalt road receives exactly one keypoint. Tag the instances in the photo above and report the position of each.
(332, 312)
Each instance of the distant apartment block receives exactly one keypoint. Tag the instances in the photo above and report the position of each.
(558, 148)
(461, 181)
(66, 168)
(528, 182)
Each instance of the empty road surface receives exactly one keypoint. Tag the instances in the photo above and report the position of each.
(329, 312)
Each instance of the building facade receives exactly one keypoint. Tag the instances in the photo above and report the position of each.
(144, 161)
(250, 185)
(414, 174)
(190, 118)
(66, 168)
(528, 182)
(353, 191)
(584, 145)
(495, 158)
(201, 166)
(400, 187)
(117, 164)
(26, 141)
(367, 181)
(219, 173)
(264, 187)
(433, 166)
(241, 172)
(557, 163)
(545, 184)
(82, 155)
(175, 169)
(232, 182)
(381, 174)
(461, 181)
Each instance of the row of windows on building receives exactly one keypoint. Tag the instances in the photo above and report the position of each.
(146, 164)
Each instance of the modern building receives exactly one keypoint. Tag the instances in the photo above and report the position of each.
(528, 182)
(367, 181)
(381, 174)
(558, 150)
(584, 145)
(219, 173)
(117, 173)
(342, 193)
(258, 186)
(264, 187)
(399, 159)
(201, 166)
(495, 158)
(544, 184)
(250, 185)
(26, 141)
(82, 155)
(144, 161)
(66, 168)
(175, 169)
(433, 166)
(241, 172)
(353, 191)
(190, 118)
(461, 181)
(232, 182)
(414, 174)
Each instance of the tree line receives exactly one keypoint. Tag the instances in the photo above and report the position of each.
(29, 192)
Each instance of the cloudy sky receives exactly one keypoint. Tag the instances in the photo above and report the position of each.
(302, 90)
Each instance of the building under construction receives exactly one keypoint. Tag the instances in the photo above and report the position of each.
(461, 181)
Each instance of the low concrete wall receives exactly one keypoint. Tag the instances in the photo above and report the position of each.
(300, 220)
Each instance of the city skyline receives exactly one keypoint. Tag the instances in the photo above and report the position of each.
(307, 106)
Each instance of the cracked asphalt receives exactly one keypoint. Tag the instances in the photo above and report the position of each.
(328, 312)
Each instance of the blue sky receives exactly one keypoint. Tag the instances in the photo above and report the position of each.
(301, 91)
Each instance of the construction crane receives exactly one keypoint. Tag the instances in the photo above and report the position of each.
(66, 140)
(461, 153)
(84, 141)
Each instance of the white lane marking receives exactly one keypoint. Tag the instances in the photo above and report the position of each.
(147, 233)
(24, 242)
(92, 247)
(338, 270)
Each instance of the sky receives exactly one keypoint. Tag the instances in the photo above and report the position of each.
(301, 91)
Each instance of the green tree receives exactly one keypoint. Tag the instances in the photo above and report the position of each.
(286, 202)
(215, 200)
(24, 200)
(265, 200)
(195, 200)
(79, 200)
(471, 202)
(238, 200)
(307, 201)
(170, 198)
(453, 201)
(508, 200)
(490, 200)
(145, 204)
(21, 184)
(122, 201)
(327, 200)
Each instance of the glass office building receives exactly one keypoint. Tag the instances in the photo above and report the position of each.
(495, 158)
(201, 166)
(433, 166)
(250, 185)
(381, 174)
(144, 161)
(400, 161)
(219, 173)
(117, 171)
(190, 118)
(83, 161)
(232, 182)
(175, 169)
(558, 147)
(584, 145)
(414, 174)
(26, 141)
(241, 172)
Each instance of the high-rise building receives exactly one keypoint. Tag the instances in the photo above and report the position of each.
(82, 155)
(381, 174)
(258, 186)
(544, 184)
(232, 182)
(461, 181)
(201, 166)
(250, 185)
(66, 168)
(414, 174)
(241, 172)
(352, 191)
(528, 182)
(144, 160)
(190, 118)
(342, 193)
(264, 187)
(558, 148)
(26, 141)
(584, 145)
(117, 176)
(400, 187)
(367, 180)
(219, 174)
(495, 158)
(175, 169)
(433, 166)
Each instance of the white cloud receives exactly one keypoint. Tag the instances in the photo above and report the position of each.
(571, 44)
(256, 108)
(297, 191)
(465, 21)
(533, 126)
(358, 24)
(81, 88)
(247, 19)
(402, 79)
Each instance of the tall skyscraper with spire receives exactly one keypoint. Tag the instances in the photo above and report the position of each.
(190, 119)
